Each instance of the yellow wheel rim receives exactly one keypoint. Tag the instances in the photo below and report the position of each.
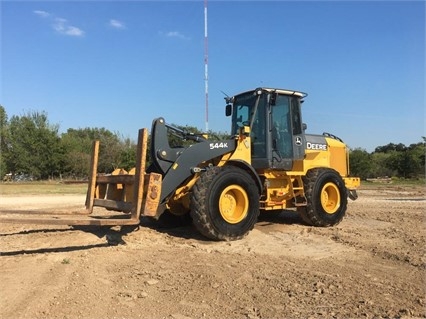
(330, 198)
(233, 204)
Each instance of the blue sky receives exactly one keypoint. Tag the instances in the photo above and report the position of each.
(119, 64)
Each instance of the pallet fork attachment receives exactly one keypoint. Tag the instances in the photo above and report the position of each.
(133, 194)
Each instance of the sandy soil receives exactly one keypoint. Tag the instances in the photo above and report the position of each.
(371, 265)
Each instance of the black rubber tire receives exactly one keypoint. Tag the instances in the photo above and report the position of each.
(210, 189)
(324, 183)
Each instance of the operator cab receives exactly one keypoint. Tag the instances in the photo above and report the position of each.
(276, 128)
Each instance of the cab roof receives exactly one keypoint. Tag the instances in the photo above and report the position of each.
(279, 91)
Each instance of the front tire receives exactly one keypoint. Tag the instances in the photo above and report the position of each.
(326, 196)
(225, 203)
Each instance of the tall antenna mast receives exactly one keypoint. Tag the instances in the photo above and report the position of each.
(206, 62)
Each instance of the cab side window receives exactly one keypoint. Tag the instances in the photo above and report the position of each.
(297, 121)
(281, 127)
(258, 134)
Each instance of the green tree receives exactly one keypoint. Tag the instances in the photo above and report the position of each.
(360, 163)
(390, 148)
(415, 160)
(4, 136)
(128, 154)
(34, 146)
(400, 161)
(114, 152)
(380, 167)
(77, 147)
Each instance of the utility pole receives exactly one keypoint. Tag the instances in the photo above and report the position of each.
(206, 65)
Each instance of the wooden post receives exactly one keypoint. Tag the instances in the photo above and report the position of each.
(140, 173)
(92, 177)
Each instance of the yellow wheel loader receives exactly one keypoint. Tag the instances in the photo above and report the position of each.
(268, 164)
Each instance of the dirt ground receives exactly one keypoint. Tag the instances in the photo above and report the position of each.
(371, 265)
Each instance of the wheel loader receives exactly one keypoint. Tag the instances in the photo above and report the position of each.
(268, 164)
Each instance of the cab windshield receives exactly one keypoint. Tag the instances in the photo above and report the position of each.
(245, 107)
(249, 110)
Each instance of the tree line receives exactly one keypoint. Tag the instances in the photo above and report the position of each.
(31, 145)
(391, 160)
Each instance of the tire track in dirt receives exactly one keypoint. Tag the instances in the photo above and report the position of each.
(283, 268)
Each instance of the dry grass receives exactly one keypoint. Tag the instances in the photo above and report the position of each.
(39, 188)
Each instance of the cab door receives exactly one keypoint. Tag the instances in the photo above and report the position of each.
(286, 134)
(298, 133)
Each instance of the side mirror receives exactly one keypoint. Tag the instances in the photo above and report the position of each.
(304, 126)
(228, 110)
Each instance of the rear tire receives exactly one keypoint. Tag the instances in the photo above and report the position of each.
(225, 203)
(326, 196)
